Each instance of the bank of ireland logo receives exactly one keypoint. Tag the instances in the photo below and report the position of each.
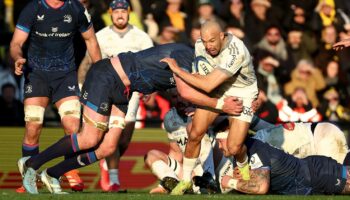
(54, 29)
(67, 18)
(29, 89)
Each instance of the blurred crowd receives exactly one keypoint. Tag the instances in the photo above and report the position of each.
(300, 76)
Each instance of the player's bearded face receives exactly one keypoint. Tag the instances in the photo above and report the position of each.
(120, 18)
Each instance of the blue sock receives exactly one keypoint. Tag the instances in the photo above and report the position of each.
(65, 146)
(76, 162)
(30, 149)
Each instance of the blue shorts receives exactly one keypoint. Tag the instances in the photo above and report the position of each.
(103, 88)
(55, 85)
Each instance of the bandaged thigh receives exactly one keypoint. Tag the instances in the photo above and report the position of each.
(34, 114)
(99, 125)
(70, 108)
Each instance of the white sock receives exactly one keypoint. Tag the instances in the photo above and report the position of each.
(188, 165)
(113, 176)
(161, 170)
(244, 163)
(105, 167)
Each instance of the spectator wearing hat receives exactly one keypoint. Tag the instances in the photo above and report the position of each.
(205, 12)
(308, 77)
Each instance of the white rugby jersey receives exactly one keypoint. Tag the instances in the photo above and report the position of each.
(235, 59)
(112, 43)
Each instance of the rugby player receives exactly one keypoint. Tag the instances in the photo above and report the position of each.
(50, 72)
(119, 37)
(274, 171)
(231, 74)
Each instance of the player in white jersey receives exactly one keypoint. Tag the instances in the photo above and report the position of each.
(168, 167)
(305, 139)
(230, 73)
(115, 39)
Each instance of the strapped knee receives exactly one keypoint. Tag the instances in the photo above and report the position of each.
(34, 114)
(70, 108)
(116, 122)
(99, 125)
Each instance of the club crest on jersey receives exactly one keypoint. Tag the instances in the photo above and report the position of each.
(40, 18)
(67, 18)
(54, 29)
(29, 89)
(255, 162)
(104, 106)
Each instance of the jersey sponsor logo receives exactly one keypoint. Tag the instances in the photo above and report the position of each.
(255, 162)
(54, 29)
(40, 18)
(104, 106)
(71, 88)
(29, 89)
(81, 163)
(338, 182)
(67, 18)
(233, 52)
(247, 111)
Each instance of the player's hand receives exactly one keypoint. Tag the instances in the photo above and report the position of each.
(224, 181)
(342, 44)
(233, 105)
(172, 64)
(256, 104)
(19, 66)
(237, 173)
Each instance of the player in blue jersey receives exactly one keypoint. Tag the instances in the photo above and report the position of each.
(48, 27)
(273, 171)
(110, 82)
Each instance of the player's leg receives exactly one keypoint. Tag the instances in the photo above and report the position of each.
(201, 121)
(110, 170)
(330, 141)
(92, 131)
(69, 111)
(235, 143)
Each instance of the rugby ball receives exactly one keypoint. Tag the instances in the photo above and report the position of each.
(201, 65)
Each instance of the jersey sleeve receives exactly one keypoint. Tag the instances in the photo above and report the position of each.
(27, 17)
(233, 57)
(258, 154)
(146, 42)
(84, 19)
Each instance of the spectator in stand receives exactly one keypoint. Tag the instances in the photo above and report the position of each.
(178, 18)
(267, 81)
(195, 33)
(309, 78)
(325, 51)
(327, 15)
(11, 110)
(300, 45)
(168, 33)
(205, 12)
(257, 20)
(298, 108)
(335, 78)
(332, 109)
(274, 43)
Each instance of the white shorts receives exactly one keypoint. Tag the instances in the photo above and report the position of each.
(248, 95)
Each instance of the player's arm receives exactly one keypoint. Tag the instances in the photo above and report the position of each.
(231, 106)
(92, 45)
(175, 151)
(215, 78)
(18, 39)
(259, 182)
(83, 69)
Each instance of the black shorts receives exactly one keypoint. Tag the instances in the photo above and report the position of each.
(55, 85)
(103, 88)
(327, 175)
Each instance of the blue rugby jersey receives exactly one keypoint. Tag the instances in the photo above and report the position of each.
(290, 175)
(145, 71)
(51, 32)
